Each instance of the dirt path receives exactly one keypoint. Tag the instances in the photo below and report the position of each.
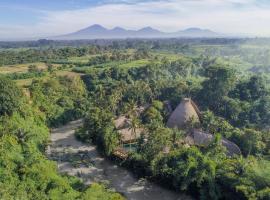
(83, 160)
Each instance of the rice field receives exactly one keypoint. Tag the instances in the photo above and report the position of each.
(20, 68)
(82, 59)
(23, 68)
(136, 63)
(67, 73)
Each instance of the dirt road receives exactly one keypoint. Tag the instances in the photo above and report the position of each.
(84, 161)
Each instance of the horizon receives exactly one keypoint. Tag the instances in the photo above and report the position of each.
(109, 29)
(38, 19)
(136, 29)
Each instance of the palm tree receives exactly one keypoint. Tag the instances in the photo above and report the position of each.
(101, 94)
(134, 125)
(132, 109)
(115, 98)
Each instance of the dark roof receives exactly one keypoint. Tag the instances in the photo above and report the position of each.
(201, 138)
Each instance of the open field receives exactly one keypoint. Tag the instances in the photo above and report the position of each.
(24, 82)
(23, 68)
(136, 63)
(67, 73)
(236, 61)
(28, 82)
(82, 59)
(20, 68)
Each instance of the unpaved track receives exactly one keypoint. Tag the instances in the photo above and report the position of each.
(65, 149)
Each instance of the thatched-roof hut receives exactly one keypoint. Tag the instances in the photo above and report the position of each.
(200, 138)
(123, 126)
(184, 112)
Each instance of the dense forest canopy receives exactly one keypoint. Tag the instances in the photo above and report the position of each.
(102, 80)
(26, 173)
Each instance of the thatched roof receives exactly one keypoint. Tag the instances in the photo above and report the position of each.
(184, 112)
(201, 138)
(122, 124)
(231, 147)
(127, 135)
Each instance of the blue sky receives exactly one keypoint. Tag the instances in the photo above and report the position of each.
(39, 18)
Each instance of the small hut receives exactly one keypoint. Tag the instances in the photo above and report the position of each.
(200, 138)
(123, 126)
(184, 112)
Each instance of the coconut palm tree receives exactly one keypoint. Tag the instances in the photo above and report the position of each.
(134, 125)
(115, 98)
(132, 108)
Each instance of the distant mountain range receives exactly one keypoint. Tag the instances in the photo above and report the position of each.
(99, 32)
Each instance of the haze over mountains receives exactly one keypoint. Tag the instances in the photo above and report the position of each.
(99, 32)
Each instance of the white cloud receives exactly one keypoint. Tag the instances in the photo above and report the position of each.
(225, 16)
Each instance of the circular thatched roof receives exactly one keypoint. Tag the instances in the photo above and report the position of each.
(184, 112)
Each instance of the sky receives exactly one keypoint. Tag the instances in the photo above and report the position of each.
(41, 18)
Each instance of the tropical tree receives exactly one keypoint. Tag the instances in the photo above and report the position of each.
(220, 81)
(134, 125)
(10, 97)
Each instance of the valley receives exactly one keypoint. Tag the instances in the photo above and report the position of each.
(188, 114)
(134, 100)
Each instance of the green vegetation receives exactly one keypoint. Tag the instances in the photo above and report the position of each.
(228, 112)
(228, 79)
(25, 171)
(205, 172)
(62, 99)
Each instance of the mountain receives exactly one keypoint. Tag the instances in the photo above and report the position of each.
(197, 32)
(99, 32)
(95, 29)
(149, 31)
(118, 30)
(92, 32)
